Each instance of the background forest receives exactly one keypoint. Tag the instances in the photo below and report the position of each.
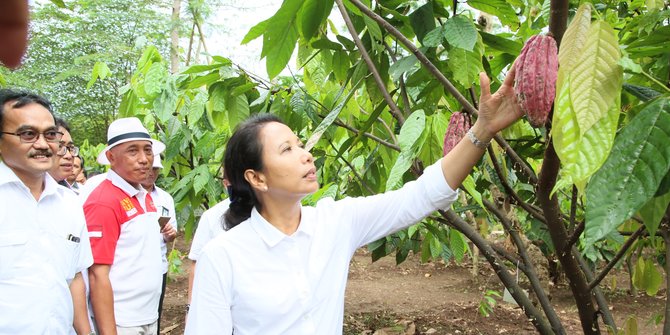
(585, 194)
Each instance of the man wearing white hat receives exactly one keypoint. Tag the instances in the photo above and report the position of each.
(165, 206)
(125, 278)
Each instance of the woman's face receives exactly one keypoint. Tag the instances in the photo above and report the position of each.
(288, 169)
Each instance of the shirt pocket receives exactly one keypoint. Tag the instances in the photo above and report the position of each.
(13, 246)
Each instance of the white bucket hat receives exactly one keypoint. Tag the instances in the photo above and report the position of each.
(157, 162)
(126, 130)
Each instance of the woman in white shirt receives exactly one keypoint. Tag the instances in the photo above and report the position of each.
(283, 268)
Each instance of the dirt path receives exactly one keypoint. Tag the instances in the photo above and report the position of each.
(415, 298)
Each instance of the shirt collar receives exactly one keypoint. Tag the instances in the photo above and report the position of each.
(8, 176)
(122, 183)
(271, 235)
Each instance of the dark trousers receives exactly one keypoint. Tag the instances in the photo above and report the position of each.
(160, 302)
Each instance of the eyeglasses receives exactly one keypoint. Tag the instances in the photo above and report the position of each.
(63, 149)
(31, 136)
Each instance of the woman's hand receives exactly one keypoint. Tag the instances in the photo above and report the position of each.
(498, 110)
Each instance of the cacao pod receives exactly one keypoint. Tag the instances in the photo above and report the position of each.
(459, 123)
(535, 81)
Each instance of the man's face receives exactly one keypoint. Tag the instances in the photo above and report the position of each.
(62, 168)
(151, 178)
(28, 160)
(76, 170)
(132, 161)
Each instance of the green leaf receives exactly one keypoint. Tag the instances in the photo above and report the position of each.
(153, 80)
(280, 37)
(197, 107)
(422, 20)
(327, 121)
(653, 211)
(166, 102)
(646, 276)
(403, 65)
(655, 44)
(499, 43)
(373, 29)
(641, 92)
(312, 15)
(596, 78)
(201, 178)
(59, 3)
(217, 97)
(574, 39)
(433, 38)
(469, 185)
(466, 65)
(202, 68)
(237, 108)
(500, 8)
(631, 175)
(341, 65)
(581, 155)
(410, 132)
(457, 244)
(100, 70)
(665, 185)
(460, 32)
(205, 80)
(255, 32)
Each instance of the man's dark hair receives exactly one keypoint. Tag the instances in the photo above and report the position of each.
(20, 99)
(61, 123)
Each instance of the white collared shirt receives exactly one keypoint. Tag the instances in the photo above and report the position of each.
(256, 280)
(43, 244)
(209, 226)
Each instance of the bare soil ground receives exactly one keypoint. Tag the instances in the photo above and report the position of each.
(437, 298)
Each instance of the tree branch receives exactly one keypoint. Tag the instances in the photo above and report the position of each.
(520, 164)
(624, 248)
(500, 269)
(530, 268)
(510, 191)
(371, 66)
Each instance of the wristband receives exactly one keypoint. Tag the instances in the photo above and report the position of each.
(476, 141)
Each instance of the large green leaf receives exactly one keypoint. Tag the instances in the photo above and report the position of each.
(574, 39)
(312, 15)
(237, 108)
(654, 44)
(410, 132)
(422, 20)
(467, 65)
(457, 244)
(581, 154)
(596, 79)
(641, 92)
(500, 8)
(632, 173)
(646, 276)
(255, 31)
(280, 37)
(327, 121)
(653, 211)
(502, 44)
(100, 70)
(460, 32)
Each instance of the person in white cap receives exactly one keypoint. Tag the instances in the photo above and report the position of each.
(165, 206)
(125, 278)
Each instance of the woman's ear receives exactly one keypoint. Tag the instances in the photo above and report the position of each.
(256, 180)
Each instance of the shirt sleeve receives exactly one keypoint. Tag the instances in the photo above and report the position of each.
(203, 234)
(379, 215)
(209, 312)
(103, 230)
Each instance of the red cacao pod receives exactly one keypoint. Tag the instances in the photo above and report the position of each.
(535, 81)
(459, 123)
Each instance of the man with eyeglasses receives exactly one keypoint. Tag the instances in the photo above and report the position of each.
(64, 158)
(44, 244)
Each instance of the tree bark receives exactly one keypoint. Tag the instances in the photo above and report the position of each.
(174, 36)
